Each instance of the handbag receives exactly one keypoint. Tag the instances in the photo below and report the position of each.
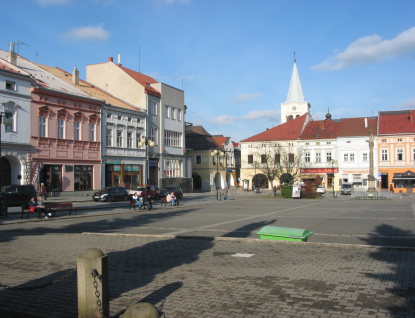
(32, 209)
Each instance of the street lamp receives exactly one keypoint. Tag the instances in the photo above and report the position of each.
(216, 153)
(148, 142)
(333, 162)
(7, 122)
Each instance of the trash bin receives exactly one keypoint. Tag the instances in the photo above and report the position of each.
(219, 196)
(3, 208)
(284, 234)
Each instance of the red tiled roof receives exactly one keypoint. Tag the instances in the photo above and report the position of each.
(290, 130)
(220, 140)
(321, 129)
(356, 127)
(397, 122)
(144, 80)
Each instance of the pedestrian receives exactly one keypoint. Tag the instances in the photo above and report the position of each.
(43, 191)
(225, 193)
(391, 188)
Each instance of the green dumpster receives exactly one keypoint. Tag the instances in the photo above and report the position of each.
(284, 234)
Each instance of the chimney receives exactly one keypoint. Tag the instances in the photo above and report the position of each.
(12, 54)
(75, 75)
(411, 115)
(110, 59)
(366, 122)
(119, 59)
(323, 124)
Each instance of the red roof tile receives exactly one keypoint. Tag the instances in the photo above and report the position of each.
(397, 122)
(290, 130)
(321, 129)
(144, 80)
(220, 140)
(353, 127)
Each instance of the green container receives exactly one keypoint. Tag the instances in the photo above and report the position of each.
(284, 234)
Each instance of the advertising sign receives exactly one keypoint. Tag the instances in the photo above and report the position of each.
(296, 191)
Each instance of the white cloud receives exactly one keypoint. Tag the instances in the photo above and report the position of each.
(370, 49)
(223, 120)
(410, 104)
(271, 115)
(90, 33)
(47, 2)
(246, 97)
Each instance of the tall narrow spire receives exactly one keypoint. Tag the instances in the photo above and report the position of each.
(295, 92)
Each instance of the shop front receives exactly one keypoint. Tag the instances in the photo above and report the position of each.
(121, 172)
(359, 178)
(404, 182)
(326, 175)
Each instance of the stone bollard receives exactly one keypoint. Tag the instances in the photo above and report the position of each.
(93, 291)
(142, 310)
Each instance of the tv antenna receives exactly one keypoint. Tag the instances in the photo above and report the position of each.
(20, 43)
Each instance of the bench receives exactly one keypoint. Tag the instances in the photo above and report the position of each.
(25, 209)
(132, 204)
(58, 207)
(164, 201)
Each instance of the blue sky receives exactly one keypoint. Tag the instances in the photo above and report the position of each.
(234, 58)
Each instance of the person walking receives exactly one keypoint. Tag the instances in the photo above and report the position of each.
(391, 188)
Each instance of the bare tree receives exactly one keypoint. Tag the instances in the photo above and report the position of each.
(278, 161)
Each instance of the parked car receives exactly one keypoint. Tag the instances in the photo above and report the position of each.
(143, 190)
(320, 189)
(111, 194)
(15, 195)
(346, 188)
(176, 189)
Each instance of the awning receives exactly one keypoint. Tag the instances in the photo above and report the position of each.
(409, 175)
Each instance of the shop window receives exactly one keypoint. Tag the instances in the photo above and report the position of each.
(83, 176)
(51, 176)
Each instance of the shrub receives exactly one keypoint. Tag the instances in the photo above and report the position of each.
(287, 191)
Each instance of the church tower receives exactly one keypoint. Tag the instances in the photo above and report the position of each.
(295, 105)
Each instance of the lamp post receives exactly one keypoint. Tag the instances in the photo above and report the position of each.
(147, 142)
(7, 122)
(216, 153)
(333, 162)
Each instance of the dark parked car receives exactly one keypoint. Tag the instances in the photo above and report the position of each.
(176, 189)
(111, 194)
(15, 195)
(141, 190)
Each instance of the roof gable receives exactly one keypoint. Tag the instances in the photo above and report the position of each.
(397, 122)
(321, 129)
(144, 80)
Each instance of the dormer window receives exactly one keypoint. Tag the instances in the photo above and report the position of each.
(11, 86)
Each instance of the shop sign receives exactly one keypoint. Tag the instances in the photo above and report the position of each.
(153, 162)
(112, 160)
(319, 170)
(356, 171)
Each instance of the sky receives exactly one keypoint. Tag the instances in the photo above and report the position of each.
(234, 58)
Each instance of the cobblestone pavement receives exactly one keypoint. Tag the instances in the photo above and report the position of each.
(211, 277)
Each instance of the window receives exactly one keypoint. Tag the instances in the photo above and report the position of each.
(329, 142)
(349, 142)
(167, 111)
(10, 85)
(119, 117)
(173, 168)
(307, 157)
(83, 176)
(153, 108)
(277, 158)
(263, 158)
(291, 157)
(365, 157)
(42, 126)
(328, 157)
(172, 138)
(318, 157)
(250, 158)
(179, 115)
(384, 154)
(91, 132)
(413, 154)
(399, 140)
(345, 157)
(109, 115)
(352, 157)
(129, 119)
(173, 113)
(119, 137)
(137, 139)
(129, 139)
(76, 128)
(11, 116)
(153, 134)
(198, 159)
(383, 140)
(399, 154)
(109, 136)
(60, 128)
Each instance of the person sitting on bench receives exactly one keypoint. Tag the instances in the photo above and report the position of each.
(138, 201)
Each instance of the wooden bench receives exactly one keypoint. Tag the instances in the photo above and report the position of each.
(53, 207)
(133, 202)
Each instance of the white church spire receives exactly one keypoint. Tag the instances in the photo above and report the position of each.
(295, 105)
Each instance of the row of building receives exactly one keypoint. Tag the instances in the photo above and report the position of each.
(76, 135)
